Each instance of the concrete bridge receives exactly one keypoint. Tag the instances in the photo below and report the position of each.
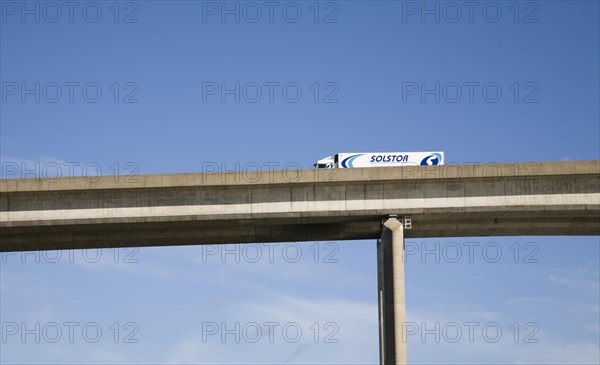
(553, 198)
(550, 198)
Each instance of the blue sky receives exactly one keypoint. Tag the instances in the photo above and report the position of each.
(161, 62)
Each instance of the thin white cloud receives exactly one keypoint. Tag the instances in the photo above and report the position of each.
(528, 300)
(356, 334)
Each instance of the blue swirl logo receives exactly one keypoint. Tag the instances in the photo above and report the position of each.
(348, 161)
(433, 159)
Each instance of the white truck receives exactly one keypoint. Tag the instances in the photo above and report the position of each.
(380, 159)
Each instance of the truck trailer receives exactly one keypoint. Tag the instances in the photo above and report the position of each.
(380, 159)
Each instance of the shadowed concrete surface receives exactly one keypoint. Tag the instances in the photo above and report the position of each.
(549, 198)
(392, 303)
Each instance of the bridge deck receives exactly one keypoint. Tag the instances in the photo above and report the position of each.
(551, 198)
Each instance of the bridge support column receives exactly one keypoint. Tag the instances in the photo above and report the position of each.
(392, 305)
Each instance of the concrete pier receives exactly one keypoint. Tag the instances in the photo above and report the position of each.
(392, 303)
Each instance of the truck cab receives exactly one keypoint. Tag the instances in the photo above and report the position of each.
(328, 162)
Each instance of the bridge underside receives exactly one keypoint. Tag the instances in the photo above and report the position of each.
(190, 232)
